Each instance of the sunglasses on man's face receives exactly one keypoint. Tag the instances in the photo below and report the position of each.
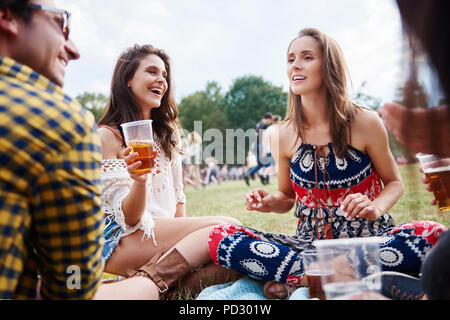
(65, 22)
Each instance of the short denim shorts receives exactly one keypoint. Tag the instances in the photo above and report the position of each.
(112, 234)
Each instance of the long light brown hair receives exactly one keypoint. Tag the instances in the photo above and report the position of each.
(123, 107)
(334, 73)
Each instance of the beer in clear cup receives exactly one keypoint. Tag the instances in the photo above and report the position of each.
(437, 171)
(139, 136)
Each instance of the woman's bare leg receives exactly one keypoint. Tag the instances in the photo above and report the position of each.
(137, 288)
(189, 235)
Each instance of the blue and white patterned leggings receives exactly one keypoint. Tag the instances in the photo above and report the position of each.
(268, 256)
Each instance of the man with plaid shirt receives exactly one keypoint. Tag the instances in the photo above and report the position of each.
(50, 207)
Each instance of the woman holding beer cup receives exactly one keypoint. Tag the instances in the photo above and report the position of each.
(335, 165)
(145, 208)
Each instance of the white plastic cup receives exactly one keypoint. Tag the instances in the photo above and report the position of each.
(354, 263)
(314, 273)
(139, 136)
(437, 171)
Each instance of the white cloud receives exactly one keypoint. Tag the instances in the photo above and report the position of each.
(223, 40)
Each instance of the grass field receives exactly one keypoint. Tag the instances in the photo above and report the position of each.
(228, 199)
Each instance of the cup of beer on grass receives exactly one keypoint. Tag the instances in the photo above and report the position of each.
(437, 171)
(139, 136)
(353, 266)
(314, 273)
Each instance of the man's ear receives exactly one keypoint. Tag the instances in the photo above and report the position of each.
(9, 22)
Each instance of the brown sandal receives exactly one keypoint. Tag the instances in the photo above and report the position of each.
(163, 272)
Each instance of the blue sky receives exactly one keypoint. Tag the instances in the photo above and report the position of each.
(223, 40)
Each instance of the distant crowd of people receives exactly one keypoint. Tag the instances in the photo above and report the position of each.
(259, 163)
(200, 176)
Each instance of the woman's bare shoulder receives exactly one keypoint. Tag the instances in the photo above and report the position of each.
(286, 128)
(366, 119)
(110, 143)
(106, 135)
(367, 128)
(289, 138)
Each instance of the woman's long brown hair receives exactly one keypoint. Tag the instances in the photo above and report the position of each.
(123, 107)
(334, 72)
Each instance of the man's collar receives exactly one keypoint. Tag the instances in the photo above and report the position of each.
(11, 68)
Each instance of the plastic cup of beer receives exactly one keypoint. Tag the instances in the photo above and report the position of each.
(437, 171)
(139, 136)
(354, 266)
(314, 273)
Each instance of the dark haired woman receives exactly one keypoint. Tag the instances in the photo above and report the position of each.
(145, 212)
(335, 165)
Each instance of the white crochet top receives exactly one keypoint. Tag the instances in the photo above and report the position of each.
(164, 190)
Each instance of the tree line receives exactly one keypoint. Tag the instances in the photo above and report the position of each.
(243, 105)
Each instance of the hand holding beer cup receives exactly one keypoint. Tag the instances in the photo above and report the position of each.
(437, 178)
(129, 157)
(426, 182)
(139, 154)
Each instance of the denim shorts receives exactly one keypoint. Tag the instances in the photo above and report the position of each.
(112, 234)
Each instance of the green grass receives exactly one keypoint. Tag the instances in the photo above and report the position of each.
(228, 199)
